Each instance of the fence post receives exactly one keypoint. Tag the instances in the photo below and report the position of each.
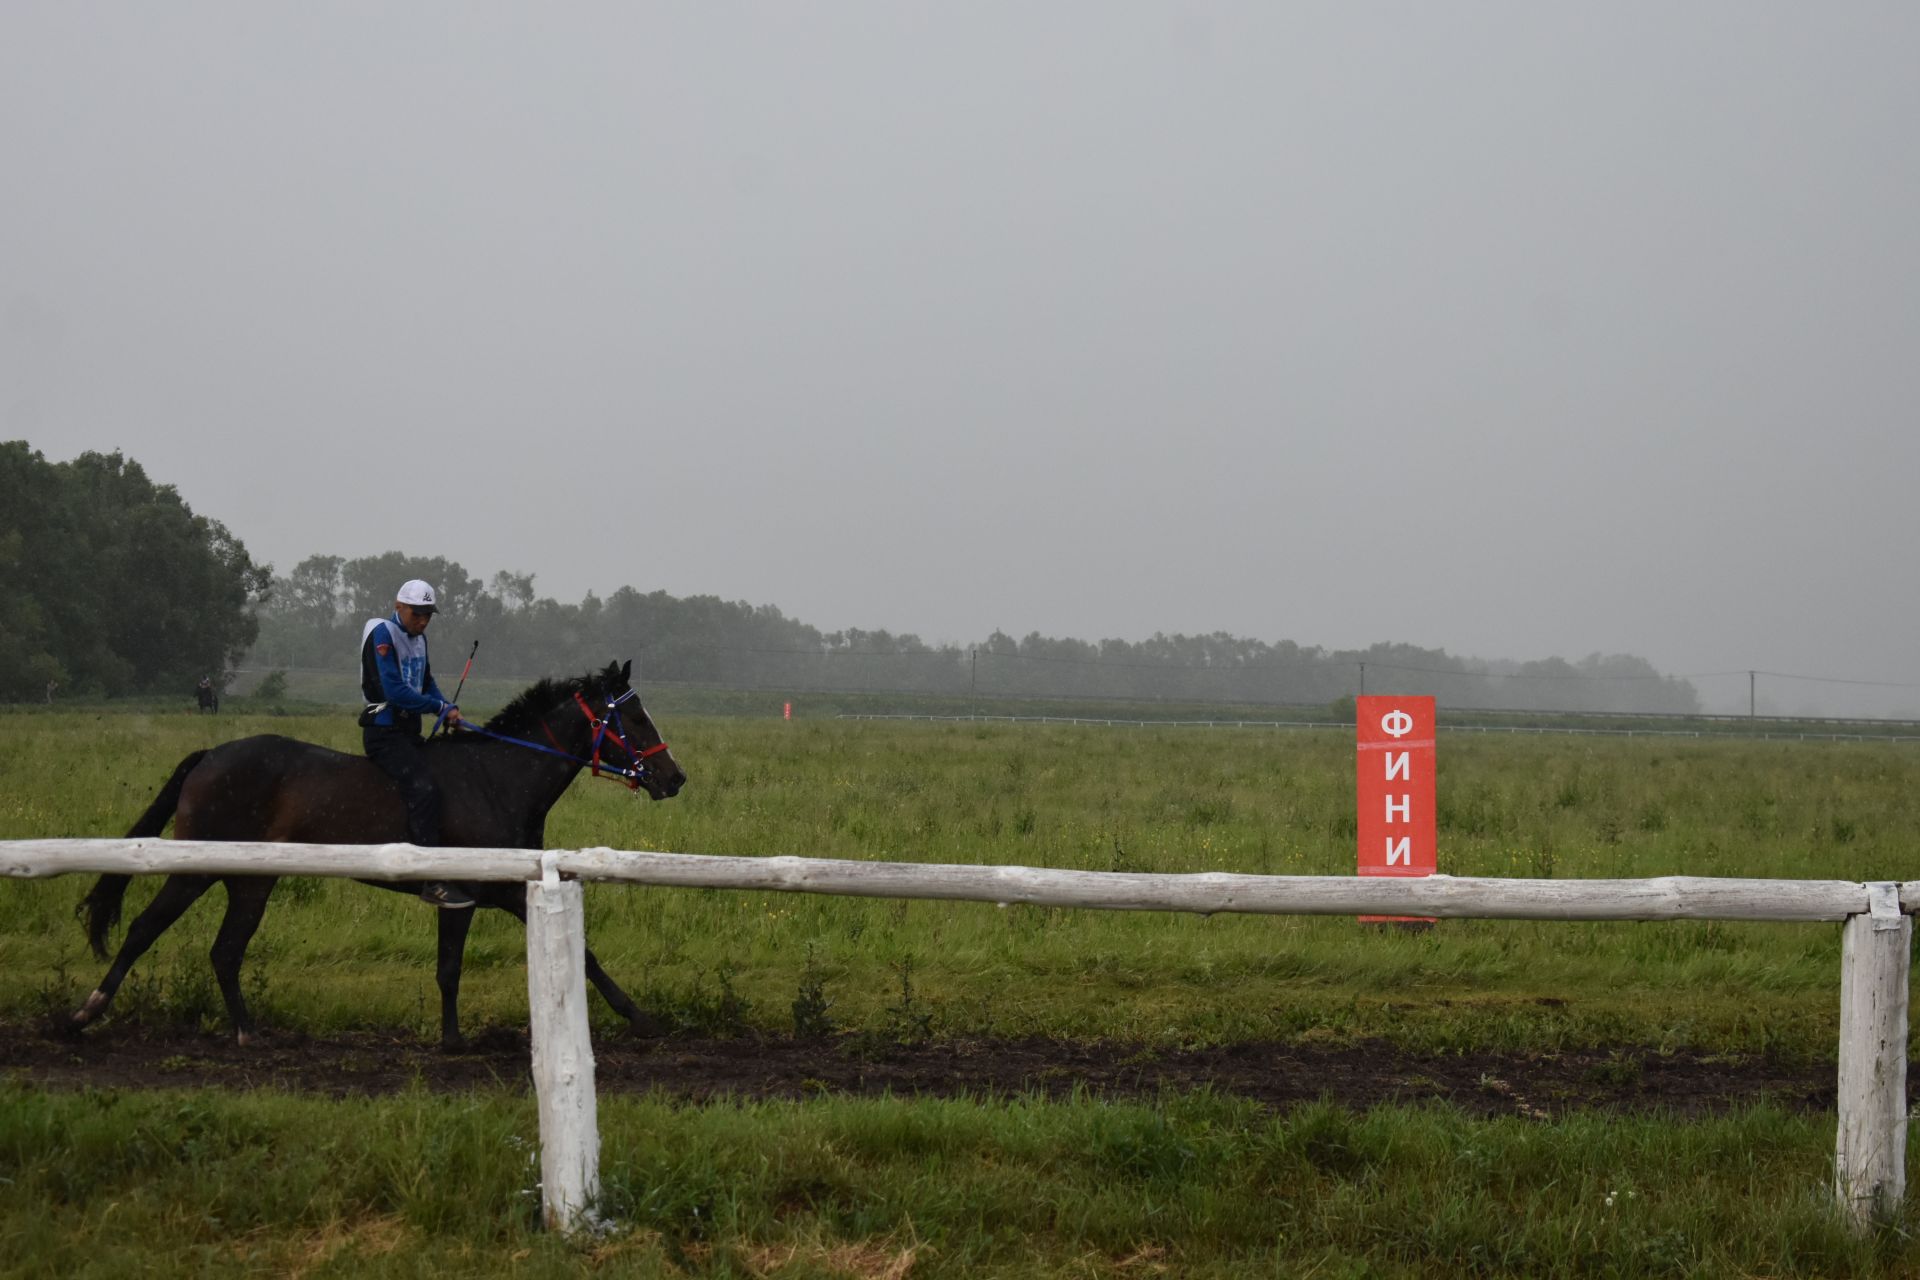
(562, 1051)
(1870, 1149)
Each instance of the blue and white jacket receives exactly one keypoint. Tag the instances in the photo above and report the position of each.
(395, 677)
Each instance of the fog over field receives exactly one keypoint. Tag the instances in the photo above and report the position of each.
(1514, 330)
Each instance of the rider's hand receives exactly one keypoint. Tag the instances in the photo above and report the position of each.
(454, 716)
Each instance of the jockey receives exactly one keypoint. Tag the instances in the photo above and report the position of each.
(396, 680)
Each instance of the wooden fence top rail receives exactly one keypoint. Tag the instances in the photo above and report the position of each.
(1206, 893)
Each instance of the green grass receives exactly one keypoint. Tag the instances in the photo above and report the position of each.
(262, 1184)
(416, 1185)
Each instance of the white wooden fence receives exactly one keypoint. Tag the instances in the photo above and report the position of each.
(1870, 1149)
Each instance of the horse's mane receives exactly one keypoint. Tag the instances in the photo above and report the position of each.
(521, 717)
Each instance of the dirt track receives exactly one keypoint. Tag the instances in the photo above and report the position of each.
(134, 1056)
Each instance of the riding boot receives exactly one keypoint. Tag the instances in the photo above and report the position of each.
(445, 896)
(398, 753)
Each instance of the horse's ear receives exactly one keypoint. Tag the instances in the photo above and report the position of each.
(626, 672)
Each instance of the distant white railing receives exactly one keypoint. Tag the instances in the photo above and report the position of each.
(1721, 735)
(1870, 1147)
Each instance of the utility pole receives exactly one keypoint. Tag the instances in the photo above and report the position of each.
(1750, 699)
(1363, 679)
(973, 680)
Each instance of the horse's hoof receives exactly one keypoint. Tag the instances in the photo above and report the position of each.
(644, 1026)
(454, 1044)
(83, 1017)
(246, 1038)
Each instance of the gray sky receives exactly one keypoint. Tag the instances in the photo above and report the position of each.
(1512, 329)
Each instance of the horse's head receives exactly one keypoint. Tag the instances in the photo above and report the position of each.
(628, 730)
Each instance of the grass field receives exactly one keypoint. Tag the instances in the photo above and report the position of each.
(1198, 1186)
(161, 1184)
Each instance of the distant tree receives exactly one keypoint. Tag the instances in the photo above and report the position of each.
(305, 620)
(27, 660)
(110, 583)
(314, 594)
(513, 590)
(370, 582)
(1638, 686)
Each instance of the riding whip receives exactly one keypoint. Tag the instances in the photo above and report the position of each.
(463, 683)
(463, 672)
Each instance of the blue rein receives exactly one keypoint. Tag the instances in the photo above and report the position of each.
(631, 776)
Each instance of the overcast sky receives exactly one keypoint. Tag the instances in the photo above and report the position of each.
(1512, 329)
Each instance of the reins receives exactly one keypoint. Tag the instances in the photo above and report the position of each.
(605, 727)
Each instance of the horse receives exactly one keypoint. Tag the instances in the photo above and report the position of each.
(496, 788)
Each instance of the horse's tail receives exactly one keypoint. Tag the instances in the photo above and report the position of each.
(101, 907)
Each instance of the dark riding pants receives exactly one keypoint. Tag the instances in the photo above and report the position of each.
(401, 756)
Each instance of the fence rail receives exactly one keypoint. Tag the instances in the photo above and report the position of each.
(1870, 1147)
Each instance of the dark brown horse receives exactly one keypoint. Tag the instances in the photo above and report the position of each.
(494, 794)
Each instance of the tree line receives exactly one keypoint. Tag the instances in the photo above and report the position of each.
(312, 618)
(110, 584)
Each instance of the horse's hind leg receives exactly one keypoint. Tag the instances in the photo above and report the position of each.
(246, 904)
(175, 896)
(453, 948)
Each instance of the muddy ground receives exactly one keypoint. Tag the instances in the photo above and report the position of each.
(130, 1055)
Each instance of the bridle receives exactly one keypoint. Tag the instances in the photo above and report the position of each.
(607, 727)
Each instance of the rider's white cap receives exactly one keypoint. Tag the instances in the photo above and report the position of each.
(416, 594)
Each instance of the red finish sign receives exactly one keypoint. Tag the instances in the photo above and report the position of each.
(1395, 771)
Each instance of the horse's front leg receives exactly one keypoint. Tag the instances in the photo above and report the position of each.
(639, 1021)
(453, 951)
